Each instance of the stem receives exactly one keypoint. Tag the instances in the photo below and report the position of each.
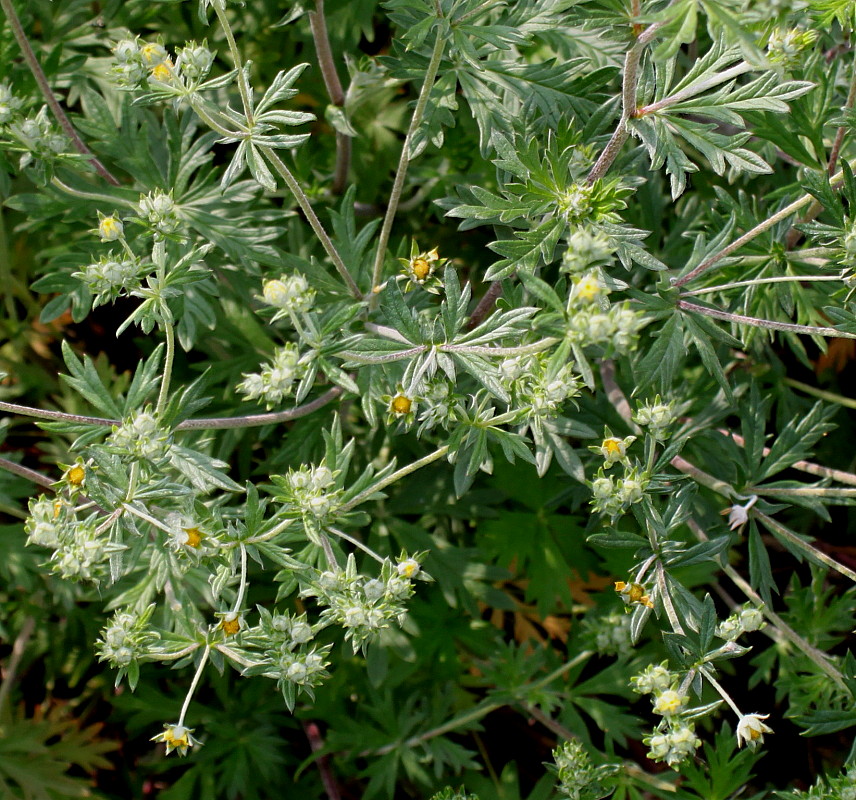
(830, 397)
(742, 319)
(722, 693)
(316, 744)
(695, 89)
(243, 85)
(803, 491)
(318, 25)
(404, 160)
(147, 517)
(842, 131)
(629, 81)
(485, 305)
(26, 472)
(312, 218)
(169, 330)
(817, 656)
(751, 234)
(194, 684)
(810, 550)
(15, 657)
(757, 281)
(212, 123)
(702, 477)
(395, 476)
(534, 347)
(210, 423)
(242, 589)
(229, 653)
(47, 92)
(102, 198)
(477, 10)
(478, 712)
(357, 543)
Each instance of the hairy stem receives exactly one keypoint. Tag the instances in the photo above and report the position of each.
(50, 97)
(243, 84)
(26, 472)
(404, 160)
(695, 89)
(758, 281)
(318, 24)
(312, 218)
(193, 685)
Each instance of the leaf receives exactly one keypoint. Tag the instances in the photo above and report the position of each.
(660, 364)
(84, 379)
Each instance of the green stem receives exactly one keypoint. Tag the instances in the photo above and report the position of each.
(810, 550)
(830, 397)
(757, 281)
(803, 491)
(169, 332)
(404, 160)
(722, 693)
(394, 477)
(312, 218)
(97, 196)
(243, 84)
(357, 543)
(695, 89)
(193, 685)
(243, 586)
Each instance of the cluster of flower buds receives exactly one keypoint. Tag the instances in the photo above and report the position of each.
(313, 491)
(290, 294)
(126, 639)
(159, 213)
(288, 653)
(785, 45)
(586, 249)
(80, 551)
(38, 136)
(616, 329)
(276, 380)
(610, 632)
(138, 62)
(364, 606)
(440, 405)
(613, 496)
(656, 417)
(575, 204)
(537, 385)
(747, 619)
(110, 277)
(140, 438)
(9, 104)
(578, 778)
(674, 739)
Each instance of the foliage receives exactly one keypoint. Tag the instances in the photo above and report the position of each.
(417, 377)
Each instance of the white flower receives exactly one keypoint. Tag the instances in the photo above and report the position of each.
(669, 703)
(739, 515)
(751, 730)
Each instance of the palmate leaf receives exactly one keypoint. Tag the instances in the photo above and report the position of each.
(527, 251)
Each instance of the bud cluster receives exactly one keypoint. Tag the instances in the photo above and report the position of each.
(313, 491)
(9, 104)
(657, 417)
(37, 135)
(440, 407)
(613, 496)
(137, 62)
(110, 277)
(363, 606)
(610, 633)
(586, 249)
(289, 294)
(159, 213)
(616, 329)
(537, 385)
(140, 437)
(749, 618)
(80, 551)
(578, 778)
(785, 45)
(277, 378)
(126, 638)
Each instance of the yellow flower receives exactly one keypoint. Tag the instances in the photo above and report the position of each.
(231, 623)
(408, 568)
(401, 404)
(194, 537)
(76, 475)
(751, 730)
(669, 703)
(588, 288)
(110, 229)
(163, 72)
(633, 593)
(176, 737)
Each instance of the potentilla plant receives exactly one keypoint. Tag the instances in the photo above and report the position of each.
(661, 200)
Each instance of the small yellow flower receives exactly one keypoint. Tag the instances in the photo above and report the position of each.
(408, 568)
(669, 703)
(194, 538)
(401, 404)
(76, 475)
(231, 623)
(613, 449)
(588, 288)
(153, 53)
(633, 593)
(176, 737)
(751, 730)
(110, 229)
(163, 72)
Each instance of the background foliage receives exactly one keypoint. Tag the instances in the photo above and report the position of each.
(583, 325)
